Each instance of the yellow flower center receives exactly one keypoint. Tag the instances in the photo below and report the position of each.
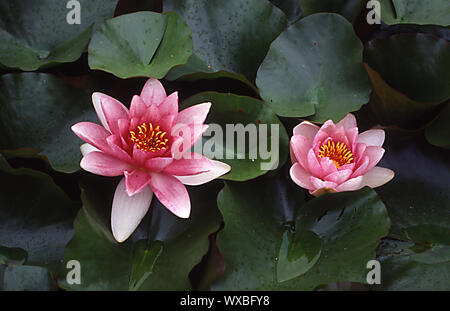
(338, 153)
(148, 138)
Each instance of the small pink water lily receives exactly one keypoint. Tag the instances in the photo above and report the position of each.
(335, 158)
(140, 144)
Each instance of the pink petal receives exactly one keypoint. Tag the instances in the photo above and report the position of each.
(300, 146)
(313, 164)
(135, 181)
(87, 148)
(102, 164)
(137, 107)
(319, 183)
(348, 122)
(171, 193)
(152, 115)
(124, 130)
(358, 152)
(184, 137)
(300, 176)
(140, 156)
(153, 92)
(362, 167)
(169, 107)
(194, 115)
(327, 166)
(166, 122)
(352, 137)
(157, 164)
(377, 176)
(339, 135)
(93, 134)
(306, 129)
(292, 155)
(372, 137)
(325, 131)
(115, 146)
(127, 212)
(113, 110)
(96, 96)
(190, 164)
(339, 176)
(351, 184)
(375, 154)
(218, 169)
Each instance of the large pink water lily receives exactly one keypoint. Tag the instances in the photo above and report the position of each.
(335, 158)
(150, 145)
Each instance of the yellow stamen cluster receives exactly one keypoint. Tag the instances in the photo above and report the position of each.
(148, 138)
(338, 153)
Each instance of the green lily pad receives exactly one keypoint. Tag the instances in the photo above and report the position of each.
(403, 269)
(438, 133)
(36, 34)
(35, 215)
(142, 44)
(230, 111)
(391, 107)
(230, 37)
(298, 253)
(435, 12)
(161, 259)
(314, 68)
(348, 8)
(348, 224)
(428, 80)
(36, 113)
(419, 193)
(144, 258)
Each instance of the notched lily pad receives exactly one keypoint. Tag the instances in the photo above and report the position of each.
(314, 68)
(36, 34)
(142, 44)
(230, 37)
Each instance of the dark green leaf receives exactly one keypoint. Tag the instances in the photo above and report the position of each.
(415, 12)
(314, 68)
(231, 36)
(389, 106)
(36, 113)
(142, 44)
(36, 33)
(403, 269)
(419, 193)
(299, 252)
(290, 7)
(230, 111)
(143, 261)
(162, 261)
(35, 215)
(348, 8)
(438, 133)
(428, 80)
(349, 226)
